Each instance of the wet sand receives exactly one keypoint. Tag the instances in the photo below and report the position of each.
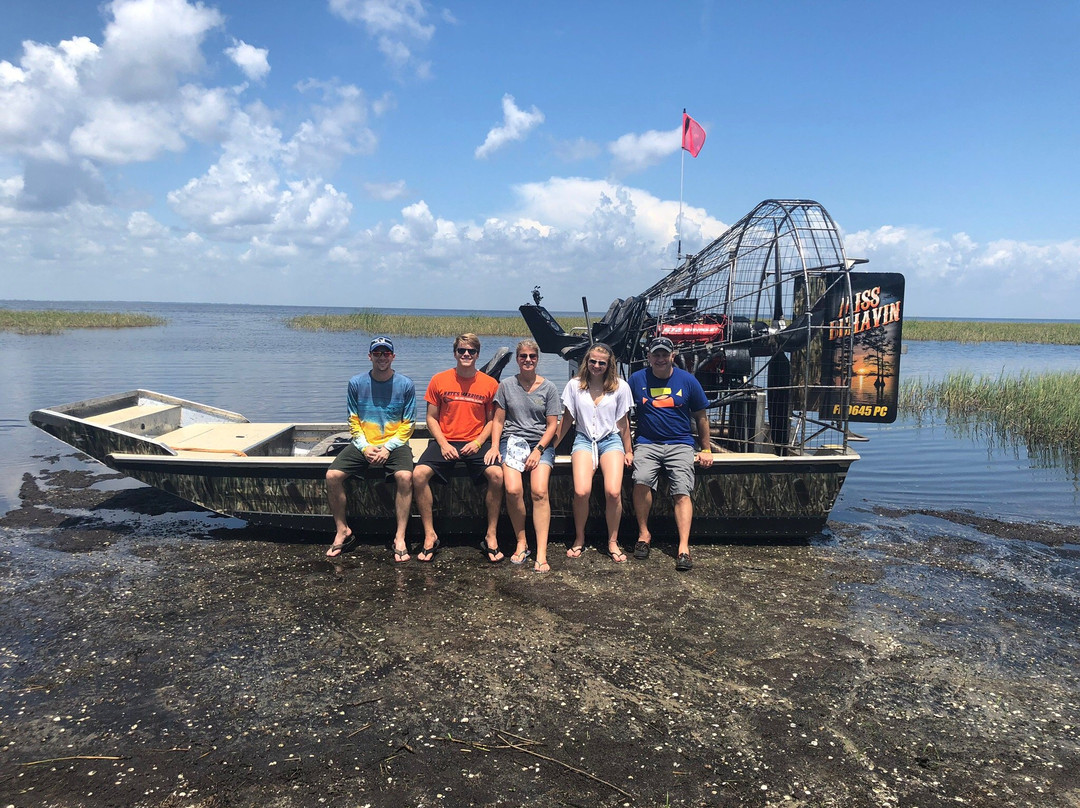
(152, 656)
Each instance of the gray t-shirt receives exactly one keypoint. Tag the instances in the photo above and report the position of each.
(526, 413)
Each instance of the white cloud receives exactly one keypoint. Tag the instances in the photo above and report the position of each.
(335, 131)
(251, 60)
(634, 152)
(386, 191)
(515, 126)
(397, 25)
(151, 43)
(118, 133)
(957, 276)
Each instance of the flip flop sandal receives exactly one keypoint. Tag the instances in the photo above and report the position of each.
(429, 552)
(575, 552)
(538, 567)
(520, 558)
(491, 553)
(617, 555)
(335, 550)
(401, 556)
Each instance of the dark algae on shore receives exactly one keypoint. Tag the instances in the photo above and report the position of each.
(156, 657)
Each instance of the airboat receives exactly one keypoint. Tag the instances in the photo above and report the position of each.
(790, 344)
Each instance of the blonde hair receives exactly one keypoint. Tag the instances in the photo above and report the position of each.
(467, 339)
(527, 343)
(611, 377)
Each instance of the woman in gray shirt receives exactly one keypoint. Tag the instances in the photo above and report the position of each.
(527, 408)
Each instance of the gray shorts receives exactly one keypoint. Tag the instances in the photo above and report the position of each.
(675, 460)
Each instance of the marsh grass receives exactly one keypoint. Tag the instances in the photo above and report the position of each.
(412, 325)
(54, 321)
(975, 331)
(1042, 411)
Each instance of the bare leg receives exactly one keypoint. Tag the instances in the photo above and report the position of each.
(335, 494)
(642, 505)
(538, 483)
(421, 481)
(581, 465)
(514, 487)
(493, 499)
(403, 494)
(612, 464)
(684, 514)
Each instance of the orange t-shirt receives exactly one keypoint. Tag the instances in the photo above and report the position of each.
(463, 403)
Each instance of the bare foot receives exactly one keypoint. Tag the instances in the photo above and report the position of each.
(541, 566)
(575, 551)
(616, 553)
(401, 553)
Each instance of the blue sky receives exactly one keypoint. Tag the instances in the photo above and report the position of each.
(402, 153)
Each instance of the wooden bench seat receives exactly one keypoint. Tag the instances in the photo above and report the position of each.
(239, 438)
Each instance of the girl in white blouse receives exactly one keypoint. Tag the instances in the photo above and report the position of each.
(598, 402)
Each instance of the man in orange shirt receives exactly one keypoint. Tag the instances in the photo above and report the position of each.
(460, 408)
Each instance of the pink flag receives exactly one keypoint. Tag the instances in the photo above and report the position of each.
(693, 136)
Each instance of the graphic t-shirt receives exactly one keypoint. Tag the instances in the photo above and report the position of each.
(663, 406)
(381, 413)
(463, 403)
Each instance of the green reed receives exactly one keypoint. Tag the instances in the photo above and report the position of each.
(54, 321)
(975, 331)
(412, 325)
(1041, 411)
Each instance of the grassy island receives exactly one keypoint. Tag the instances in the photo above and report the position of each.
(412, 325)
(1041, 411)
(55, 321)
(978, 331)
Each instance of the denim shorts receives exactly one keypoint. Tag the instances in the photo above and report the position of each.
(547, 457)
(611, 443)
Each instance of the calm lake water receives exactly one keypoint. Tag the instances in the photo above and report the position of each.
(244, 358)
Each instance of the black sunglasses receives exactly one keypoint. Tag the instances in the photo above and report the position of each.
(468, 351)
(527, 356)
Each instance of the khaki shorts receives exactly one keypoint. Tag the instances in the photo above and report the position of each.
(676, 461)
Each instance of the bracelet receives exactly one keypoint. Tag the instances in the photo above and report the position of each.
(479, 445)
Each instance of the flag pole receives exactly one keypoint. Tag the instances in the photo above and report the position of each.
(682, 173)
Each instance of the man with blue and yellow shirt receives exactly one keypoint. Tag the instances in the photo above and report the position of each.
(382, 412)
(667, 401)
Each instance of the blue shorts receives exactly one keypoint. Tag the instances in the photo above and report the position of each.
(611, 443)
(547, 457)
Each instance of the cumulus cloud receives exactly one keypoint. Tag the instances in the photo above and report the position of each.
(251, 60)
(515, 126)
(956, 275)
(397, 26)
(633, 152)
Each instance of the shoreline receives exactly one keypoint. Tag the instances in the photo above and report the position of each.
(156, 656)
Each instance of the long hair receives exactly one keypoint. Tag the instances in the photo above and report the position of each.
(611, 377)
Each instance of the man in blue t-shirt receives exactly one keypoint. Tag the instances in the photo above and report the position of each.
(667, 400)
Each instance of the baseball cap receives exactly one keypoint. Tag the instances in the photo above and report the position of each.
(381, 342)
(661, 344)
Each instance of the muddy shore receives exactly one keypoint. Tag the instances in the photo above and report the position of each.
(154, 656)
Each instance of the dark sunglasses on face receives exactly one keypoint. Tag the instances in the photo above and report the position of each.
(527, 356)
(382, 353)
(468, 351)
(600, 363)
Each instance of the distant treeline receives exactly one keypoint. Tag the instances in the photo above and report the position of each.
(54, 321)
(979, 331)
